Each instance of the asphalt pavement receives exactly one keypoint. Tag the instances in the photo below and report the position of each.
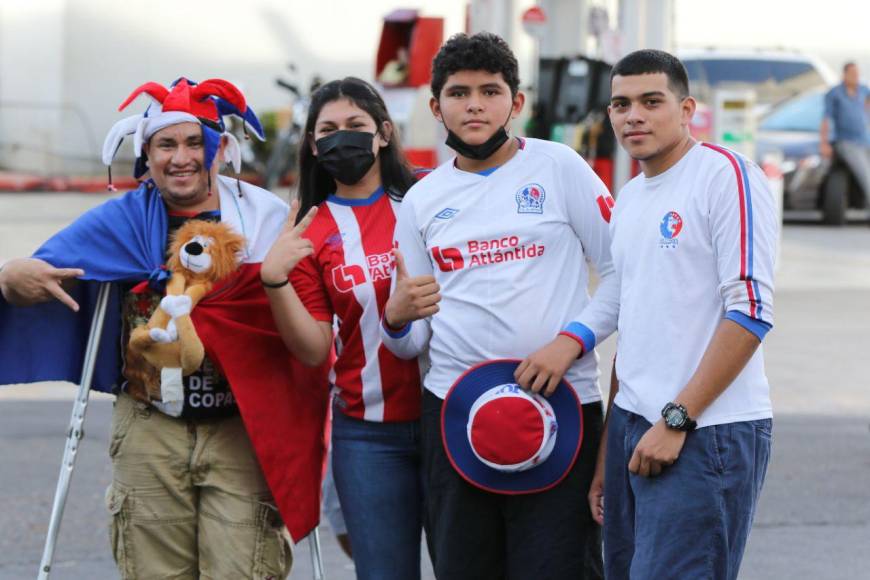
(813, 519)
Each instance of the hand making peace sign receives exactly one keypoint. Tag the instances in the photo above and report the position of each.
(290, 247)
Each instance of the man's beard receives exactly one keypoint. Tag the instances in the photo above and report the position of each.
(198, 192)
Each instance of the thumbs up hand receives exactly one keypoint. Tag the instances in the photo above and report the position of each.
(413, 298)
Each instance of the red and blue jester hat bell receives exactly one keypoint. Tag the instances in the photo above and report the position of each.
(205, 103)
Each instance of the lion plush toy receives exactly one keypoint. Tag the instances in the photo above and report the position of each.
(201, 254)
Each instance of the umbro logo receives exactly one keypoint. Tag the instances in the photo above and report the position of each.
(446, 213)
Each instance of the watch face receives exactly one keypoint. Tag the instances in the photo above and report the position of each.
(674, 417)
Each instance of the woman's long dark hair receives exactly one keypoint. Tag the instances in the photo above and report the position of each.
(315, 184)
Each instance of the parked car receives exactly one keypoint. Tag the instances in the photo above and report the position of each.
(810, 181)
(774, 75)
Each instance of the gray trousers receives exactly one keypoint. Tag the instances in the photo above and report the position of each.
(857, 157)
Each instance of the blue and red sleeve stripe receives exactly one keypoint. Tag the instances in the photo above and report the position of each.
(746, 241)
(582, 334)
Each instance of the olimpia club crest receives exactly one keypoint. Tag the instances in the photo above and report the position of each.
(530, 199)
(670, 227)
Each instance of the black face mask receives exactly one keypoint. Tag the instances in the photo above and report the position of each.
(346, 155)
(478, 152)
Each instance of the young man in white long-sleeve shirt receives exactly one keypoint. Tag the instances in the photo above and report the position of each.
(689, 428)
(492, 264)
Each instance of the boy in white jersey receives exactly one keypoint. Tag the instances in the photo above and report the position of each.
(491, 266)
(689, 426)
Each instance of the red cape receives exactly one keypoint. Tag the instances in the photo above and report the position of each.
(282, 402)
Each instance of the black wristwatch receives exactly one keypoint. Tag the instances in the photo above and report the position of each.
(677, 418)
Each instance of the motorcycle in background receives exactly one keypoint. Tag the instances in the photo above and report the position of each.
(283, 161)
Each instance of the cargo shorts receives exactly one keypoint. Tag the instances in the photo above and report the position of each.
(188, 500)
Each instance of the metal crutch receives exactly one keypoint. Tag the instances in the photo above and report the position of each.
(75, 431)
(316, 556)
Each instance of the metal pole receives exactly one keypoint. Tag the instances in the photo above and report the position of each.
(316, 556)
(75, 432)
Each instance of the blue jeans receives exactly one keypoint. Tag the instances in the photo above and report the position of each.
(692, 521)
(377, 474)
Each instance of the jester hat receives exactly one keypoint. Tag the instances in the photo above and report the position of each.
(205, 103)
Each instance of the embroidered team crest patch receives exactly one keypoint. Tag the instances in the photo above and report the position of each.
(670, 227)
(530, 199)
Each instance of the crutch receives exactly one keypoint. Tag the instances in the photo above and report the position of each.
(75, 431)
(316, 556)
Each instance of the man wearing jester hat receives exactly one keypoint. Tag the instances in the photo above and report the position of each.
(225, 489)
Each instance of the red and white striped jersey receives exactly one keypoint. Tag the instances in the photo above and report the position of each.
(348, 277)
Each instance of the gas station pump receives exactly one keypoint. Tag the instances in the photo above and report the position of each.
(571, 108)
(572, 92)
(734, 120)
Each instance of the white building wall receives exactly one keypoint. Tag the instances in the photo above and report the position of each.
(81, 58)
(31, 80)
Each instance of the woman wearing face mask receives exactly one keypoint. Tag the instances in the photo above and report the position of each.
(352, 176)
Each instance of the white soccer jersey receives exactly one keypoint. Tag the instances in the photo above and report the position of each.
(691, 246)
(509, 251)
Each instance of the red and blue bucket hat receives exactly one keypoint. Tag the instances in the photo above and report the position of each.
(505, 439)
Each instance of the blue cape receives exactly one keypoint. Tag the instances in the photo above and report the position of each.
(122, 240)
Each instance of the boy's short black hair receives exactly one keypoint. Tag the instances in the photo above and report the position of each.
(482, 51)
(846, 66)
(649, 61)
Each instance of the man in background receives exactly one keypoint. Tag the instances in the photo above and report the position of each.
(844, 127)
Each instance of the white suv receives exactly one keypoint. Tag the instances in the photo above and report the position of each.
(774, 75)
